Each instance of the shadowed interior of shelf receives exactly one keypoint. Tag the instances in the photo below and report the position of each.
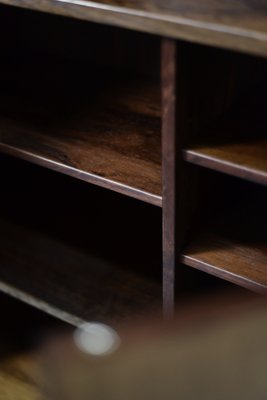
(64, 251)
(82, 116)
(236, 143)
(229, 237)
(84, 100)
(106, 131)
(239, 25)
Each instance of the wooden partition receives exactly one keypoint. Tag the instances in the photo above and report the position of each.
(143, 127)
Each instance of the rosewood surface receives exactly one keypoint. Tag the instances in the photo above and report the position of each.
(240, 25)
(99, 126)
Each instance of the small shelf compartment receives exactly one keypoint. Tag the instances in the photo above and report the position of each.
(88, 111)
(236, 143)
(230, 258)
(69, 283)
(229, 236)
(64, 252)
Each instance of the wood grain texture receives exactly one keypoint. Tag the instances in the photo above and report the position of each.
(97, 126)
(247, 159)
(240, 25)
(236, 143)
(228, 238)
(69, 283)
(239, 262)
(168, 83)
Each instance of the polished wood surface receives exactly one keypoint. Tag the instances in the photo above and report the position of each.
(236, 144)
(85, 107)
(102, 127)
(98, 117)
(240, 25)
(168, 71)
(69, 283)
(242, 263)
(246, 159)
(228, 237)
(76, 250)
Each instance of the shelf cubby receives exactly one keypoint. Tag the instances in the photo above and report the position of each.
(236, 142)
(63, 251)
(229, 238)
(117, 108)
(87, 116)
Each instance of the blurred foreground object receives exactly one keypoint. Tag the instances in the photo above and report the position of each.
(218, 358)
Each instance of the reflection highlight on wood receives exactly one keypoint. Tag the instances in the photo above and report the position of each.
(238, 25)
(247, 159)
(100, 127)
(239, 262)
(230, 239)
(236, 144)
(69, 283)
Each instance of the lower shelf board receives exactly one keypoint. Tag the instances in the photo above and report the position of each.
(69, 283)
(247, 159)
(236, 144)
(242, 263)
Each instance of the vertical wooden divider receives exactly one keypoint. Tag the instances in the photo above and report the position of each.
(190, 98)
(179, 179)
(169, 155)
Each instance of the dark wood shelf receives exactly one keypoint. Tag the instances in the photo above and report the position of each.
(67, 282)
(247, 159)
(99, 126)
(239, 262)
(229, 237)
(236, 144)
(239, 25)
(130, 112)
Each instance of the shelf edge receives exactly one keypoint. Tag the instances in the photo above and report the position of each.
(97, 180)
(159, 23)
(40, 304)
(226, 167)
(224, 274)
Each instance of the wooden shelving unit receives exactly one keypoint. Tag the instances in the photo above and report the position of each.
(109, 137)
(236, 144)
(230, 239)
(229, 258)
(134, 98)
(233, 26)
(69, 283)
(246, 159)
(233, 246)
(67, 254)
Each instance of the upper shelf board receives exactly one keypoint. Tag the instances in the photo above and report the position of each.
(103, 128)
(239, 25)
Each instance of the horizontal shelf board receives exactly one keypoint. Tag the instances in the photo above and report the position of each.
(230, 25)
(247, 160)
(236, 143)
(103, 128)
(240, 262)
(67, 282)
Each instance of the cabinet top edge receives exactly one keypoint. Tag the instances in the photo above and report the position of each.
(239, 26)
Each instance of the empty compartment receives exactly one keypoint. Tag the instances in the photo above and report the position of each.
(229, 237)
(72, 254)
(228, 128)
(87, 108)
